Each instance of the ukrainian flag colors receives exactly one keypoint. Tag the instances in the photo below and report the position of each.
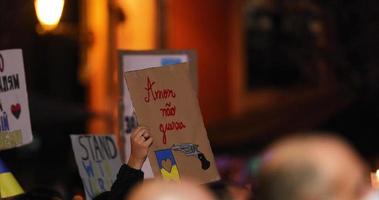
(8, 184)
(167, 165)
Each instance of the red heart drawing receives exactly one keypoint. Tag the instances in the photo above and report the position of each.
(16, 110)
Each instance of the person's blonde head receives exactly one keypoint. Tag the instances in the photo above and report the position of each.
(164, 190)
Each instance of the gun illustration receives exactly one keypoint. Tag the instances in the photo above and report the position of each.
(190, 149)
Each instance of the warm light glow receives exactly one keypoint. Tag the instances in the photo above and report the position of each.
(375, 179)
(140, 31)
(49, 12)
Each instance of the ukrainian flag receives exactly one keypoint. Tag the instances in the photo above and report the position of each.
(8, 184)
(166, 155)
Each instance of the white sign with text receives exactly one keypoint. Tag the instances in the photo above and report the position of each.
(15, 128)
(98, 161)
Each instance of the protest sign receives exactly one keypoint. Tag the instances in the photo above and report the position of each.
(136, 60)
(98, 161)
(166, 103)
(15, 128)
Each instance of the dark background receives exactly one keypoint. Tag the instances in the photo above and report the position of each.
(276, 58)
(56, 97)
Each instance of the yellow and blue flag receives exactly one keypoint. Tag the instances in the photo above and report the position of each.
(167, 165)
(8, 184)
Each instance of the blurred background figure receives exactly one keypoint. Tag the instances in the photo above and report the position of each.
(163, 190)
(313, 167)
(40, 193)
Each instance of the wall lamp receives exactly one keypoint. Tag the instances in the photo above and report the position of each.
(49, 13)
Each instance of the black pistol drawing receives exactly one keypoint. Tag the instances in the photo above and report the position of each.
(190, 149)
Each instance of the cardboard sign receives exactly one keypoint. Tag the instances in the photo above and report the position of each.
(166, 103)
(15, 128)
(98, 161)
(136, 60)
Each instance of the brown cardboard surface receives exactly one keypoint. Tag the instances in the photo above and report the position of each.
(164, 98)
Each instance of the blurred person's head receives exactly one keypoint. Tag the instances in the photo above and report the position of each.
(164, 190)
(312, 166)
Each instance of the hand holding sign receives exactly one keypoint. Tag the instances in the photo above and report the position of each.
(165, 101)
(136, 60)
(140, 141)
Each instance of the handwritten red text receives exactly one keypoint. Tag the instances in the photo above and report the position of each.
(168, 110)
(170, 126)
(157, 94)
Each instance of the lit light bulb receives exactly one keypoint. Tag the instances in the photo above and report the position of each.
(49, 12)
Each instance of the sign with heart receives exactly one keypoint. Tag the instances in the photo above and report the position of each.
(166, 103)
(16, 110)
(15, 128)
(136, 60)
(167, 165)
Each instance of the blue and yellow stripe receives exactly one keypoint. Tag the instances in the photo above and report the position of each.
(8, 184)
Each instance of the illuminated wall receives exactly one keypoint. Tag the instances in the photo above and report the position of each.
(111, 25)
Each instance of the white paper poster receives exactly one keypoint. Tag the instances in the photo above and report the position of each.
(98, 161)
(15, 128)
(136, 60)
